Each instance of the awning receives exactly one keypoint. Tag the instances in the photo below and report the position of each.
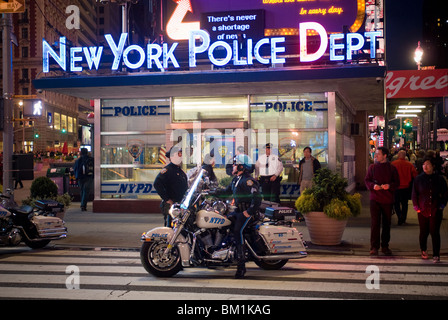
(362, 86)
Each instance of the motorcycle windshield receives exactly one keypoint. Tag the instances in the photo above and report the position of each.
(186, 203)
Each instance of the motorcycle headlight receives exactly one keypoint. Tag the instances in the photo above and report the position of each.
(174, 211)
(220, 207)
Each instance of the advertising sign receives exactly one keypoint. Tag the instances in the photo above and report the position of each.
(232, 25)
(417, 83)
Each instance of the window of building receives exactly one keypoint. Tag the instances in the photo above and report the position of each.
(304, 111)
(24, 33)
(25, 73)
(64, 122)
(210, 108)
(24, 52)
(133, 148)
(70, 124)
(57, 121)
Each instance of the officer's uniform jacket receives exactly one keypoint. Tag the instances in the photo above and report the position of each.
(246, 193)
(171, 183)
(268, 166)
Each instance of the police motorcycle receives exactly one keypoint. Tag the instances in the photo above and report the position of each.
(34, 226)
(202, 236)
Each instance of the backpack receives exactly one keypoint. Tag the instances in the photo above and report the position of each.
(87, 167)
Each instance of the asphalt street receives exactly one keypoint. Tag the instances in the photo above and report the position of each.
(123, 230)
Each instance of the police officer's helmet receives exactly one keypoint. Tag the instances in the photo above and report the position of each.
(243, 162)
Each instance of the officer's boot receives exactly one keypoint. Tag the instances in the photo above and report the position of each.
(241, 262)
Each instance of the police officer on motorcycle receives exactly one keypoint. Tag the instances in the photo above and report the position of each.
(247, 199)
(171, 183)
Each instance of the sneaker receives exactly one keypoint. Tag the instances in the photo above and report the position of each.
(436, 259)
(374, 252)
(386, 251)
(425, 255)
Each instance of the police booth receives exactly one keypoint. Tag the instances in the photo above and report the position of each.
(219, 87)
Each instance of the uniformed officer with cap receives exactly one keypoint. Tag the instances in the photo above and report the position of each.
(268, 169)
(171, 183)
(247, 198)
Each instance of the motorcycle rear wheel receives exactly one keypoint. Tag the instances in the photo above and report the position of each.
(36, 244)
(151, 255)
(271, 264)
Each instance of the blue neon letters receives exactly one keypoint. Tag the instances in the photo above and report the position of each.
(160, 56)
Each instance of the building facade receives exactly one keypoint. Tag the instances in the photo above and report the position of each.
(256, 81)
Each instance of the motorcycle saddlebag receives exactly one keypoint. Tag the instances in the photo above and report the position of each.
(280, 239)
(49, 226)
(280, 213)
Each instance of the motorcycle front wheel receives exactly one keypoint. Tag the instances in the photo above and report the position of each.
(154, 261)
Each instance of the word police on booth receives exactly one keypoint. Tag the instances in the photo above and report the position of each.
(160, 56)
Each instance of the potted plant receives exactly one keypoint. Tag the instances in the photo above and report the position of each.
(327, 206)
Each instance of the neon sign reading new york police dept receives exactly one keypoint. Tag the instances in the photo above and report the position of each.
(161, 56)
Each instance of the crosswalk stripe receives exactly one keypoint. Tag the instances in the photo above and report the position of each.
(120, 275)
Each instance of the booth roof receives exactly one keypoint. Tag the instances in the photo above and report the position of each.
(362, 85)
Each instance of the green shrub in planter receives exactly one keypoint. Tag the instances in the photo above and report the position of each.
(329, 195)
(43, 187)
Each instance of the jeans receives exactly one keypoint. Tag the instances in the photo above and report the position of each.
(85, 186)
(380, 215)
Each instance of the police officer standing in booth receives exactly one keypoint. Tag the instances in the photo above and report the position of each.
(245, 190)
(268, 169)
(171, 183)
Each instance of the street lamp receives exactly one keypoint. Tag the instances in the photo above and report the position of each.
(418, 55)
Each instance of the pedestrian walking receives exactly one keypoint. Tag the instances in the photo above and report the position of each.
(268, 169)
(307, 168)
(429, 197)
(84, 170)
(171, 183)
(407, 173)
(382, 180)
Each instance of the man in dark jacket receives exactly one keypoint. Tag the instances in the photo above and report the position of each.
(382, 180)
(171, 183)
(83, 170)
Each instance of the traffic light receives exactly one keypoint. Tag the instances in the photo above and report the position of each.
(407, 126)
(64, 130)
(36, 135)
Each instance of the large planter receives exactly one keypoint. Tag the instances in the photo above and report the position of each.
(324, 230)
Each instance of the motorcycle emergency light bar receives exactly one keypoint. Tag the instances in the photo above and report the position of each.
(186, 203)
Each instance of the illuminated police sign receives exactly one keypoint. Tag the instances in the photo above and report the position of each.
(199, 42)
(130, 111)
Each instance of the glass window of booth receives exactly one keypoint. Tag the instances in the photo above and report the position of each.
(210, 108)
(132, 146)
(301, 111)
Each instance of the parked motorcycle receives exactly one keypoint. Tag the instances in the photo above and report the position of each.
(34, 226)
(202, 236)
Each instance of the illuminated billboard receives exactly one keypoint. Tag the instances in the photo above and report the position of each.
(234, 25)
(282, 17)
